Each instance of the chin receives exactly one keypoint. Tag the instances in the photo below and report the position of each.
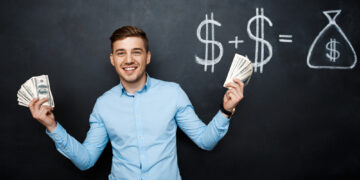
(132, 78)
(128, 79)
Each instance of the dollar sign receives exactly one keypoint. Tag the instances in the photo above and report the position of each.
(213, 60)
(260, 39)
(333, 54)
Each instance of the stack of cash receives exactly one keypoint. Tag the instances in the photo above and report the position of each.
(35, 87)
(241, 68)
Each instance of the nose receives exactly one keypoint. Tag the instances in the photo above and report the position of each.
(129, 59)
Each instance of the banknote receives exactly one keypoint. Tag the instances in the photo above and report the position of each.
(35, 87)
(241, 68)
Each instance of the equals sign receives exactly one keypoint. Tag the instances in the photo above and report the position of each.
(285, 38)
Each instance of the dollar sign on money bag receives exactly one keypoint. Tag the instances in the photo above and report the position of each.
(260, 42)
(331, 49)
(333, 53)
(212, 60)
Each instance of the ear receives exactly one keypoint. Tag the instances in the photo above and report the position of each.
(148, 57)
(112, 59)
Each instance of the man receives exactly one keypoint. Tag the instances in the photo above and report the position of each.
(140, 117)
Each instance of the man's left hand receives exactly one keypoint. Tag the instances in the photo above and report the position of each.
(233, 95)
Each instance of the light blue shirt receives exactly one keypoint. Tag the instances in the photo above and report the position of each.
(142, 130)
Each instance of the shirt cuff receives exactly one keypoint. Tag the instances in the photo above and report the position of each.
(58, 135)
(222, 121)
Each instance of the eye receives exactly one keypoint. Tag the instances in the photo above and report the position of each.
(120, 53)
(137, 52)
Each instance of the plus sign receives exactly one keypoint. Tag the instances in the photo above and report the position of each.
(236, 42)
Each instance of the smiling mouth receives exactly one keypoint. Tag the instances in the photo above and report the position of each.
(129, 70)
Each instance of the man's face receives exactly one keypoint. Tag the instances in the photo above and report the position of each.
(130, 58)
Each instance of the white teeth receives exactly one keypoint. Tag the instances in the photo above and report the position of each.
(129, 69)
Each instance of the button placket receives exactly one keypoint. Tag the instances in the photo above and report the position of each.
(139, 129)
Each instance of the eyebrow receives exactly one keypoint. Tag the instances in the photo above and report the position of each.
(135, 49)
(119, 50)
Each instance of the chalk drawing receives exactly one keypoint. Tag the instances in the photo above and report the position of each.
(285, 38)
(260, 17)
(333, 55)
(212, 41)
(236, 42)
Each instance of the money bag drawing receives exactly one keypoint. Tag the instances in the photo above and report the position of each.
(331, 48)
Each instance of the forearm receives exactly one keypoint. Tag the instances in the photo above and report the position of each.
(204, 136)
(71, 148)
(213, 132)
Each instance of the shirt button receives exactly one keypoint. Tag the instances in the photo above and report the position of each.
(143, 174)
(139, 137)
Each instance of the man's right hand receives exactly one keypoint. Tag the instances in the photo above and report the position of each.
(43, 113)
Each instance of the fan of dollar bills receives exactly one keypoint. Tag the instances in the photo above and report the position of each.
(35, 87)
(241, 68)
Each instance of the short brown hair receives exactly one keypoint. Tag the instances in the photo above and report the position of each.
(129, 31)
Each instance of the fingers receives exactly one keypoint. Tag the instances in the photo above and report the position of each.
(42, 113)
(233, 94)
(35, 108)
(236, 82)
(32, 103)
(44, 110)
(241, 85)
(39, 103)
(232, 85)
(238, 87)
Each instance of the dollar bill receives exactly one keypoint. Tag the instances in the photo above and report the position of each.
(241, 68)
(23, 104)
(42, 86)
(35, 87)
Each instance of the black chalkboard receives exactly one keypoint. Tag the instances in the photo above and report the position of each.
(295, 122)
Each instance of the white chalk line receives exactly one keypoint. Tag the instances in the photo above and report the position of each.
(331, 23)
(285, 40)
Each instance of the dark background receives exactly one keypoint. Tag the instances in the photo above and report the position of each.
(294, 122)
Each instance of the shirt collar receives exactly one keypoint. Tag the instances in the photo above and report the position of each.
(144, 89)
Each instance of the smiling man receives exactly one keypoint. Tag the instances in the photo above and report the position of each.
(139, 116)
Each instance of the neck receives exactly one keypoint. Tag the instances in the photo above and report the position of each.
(133, 87)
